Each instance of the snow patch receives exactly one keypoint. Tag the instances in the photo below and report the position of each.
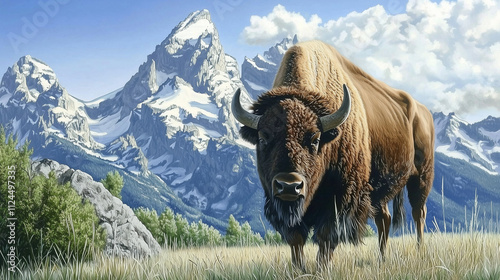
(223, 204)
(255, 86)
(195, 30)
(95, 103)
(493, 135)
(181, 179)
(162, 77)
(4, 99)
(197, 104)
(107, 129)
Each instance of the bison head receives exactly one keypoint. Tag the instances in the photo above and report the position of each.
(290, 129)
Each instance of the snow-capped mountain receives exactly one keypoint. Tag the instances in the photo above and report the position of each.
(33, 104)
(170, 133)
(467, 163)
(171, 119)
(187, 82)
(477, 144)
(258, 72)
(176, 112)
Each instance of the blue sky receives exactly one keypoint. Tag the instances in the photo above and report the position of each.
(96, 46)
(438, 51)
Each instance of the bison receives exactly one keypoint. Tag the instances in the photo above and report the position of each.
(334, 146)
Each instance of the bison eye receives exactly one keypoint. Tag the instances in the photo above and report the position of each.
(315, 140)
(264, 138)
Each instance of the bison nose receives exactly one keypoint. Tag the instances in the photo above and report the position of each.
(283, 187)
(288, 186)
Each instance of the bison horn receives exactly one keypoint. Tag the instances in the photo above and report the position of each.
(333, 120)
(242, 115)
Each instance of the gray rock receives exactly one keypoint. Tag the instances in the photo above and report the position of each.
(126, 235)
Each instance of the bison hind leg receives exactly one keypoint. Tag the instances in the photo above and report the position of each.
(398, 210)
(418, 190)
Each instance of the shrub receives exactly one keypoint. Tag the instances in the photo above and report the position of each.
(51, 218)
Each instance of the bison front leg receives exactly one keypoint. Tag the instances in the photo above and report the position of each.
(297, 248)
(383, 222)
(326, 247)
(325, 254)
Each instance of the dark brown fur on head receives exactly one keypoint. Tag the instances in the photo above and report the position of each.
(290, 118)
(313, 100)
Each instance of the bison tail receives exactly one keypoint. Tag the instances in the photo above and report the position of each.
(398, 209)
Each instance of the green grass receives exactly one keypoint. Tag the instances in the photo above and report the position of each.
(442, 256)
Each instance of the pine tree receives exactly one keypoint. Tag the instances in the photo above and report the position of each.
(273, 238)
(113, 183)
(203, 234)
(168, 228)
(214, 237)
(193, 235)
(250, 238)
(233, 232)
(182, 225)
(149, 218)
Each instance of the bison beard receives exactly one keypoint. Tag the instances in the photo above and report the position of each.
(287, 217)
(284, 214)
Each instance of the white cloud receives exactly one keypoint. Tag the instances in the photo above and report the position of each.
(278, 24)
(446, 54)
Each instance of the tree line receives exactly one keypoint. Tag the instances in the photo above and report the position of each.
(173, 230)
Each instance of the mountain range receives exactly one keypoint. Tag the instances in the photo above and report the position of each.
(170, 133)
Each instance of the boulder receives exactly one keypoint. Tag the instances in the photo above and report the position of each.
(126, 235)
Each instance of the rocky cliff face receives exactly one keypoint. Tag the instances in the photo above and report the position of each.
(177, 110)
(126, 235)
(258, 72)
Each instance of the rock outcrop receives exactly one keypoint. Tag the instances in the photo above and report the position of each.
(126, 235)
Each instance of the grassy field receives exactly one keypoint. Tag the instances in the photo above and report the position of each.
(442, 256)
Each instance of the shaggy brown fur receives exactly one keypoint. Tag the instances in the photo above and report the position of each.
(386, 143)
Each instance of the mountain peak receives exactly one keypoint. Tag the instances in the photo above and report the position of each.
(28, 65)
(26, 80)
(259, 72)
(197, 29)
(194, 17)
(276, 52)
(473, 143)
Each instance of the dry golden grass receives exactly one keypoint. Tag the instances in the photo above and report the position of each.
(442, 256)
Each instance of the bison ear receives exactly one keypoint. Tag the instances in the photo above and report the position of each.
(249, 134)
(329, 135)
